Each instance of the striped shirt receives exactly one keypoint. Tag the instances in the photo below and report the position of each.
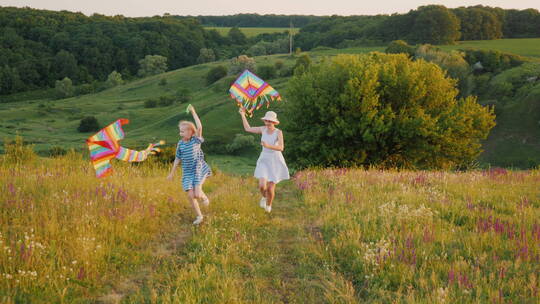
(194, 168)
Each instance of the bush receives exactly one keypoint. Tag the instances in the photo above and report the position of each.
(165, 101)
(150, 103)
(163, 82)
(84, 89)
(266, 71)
(215, 74)
(17, 152)
(399, 47)
(241, 143)
(241, 63)
(366, 110)
(183, 95)
(88, 124)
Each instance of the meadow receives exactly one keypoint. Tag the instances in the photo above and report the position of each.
(334, 236)
(252, 31)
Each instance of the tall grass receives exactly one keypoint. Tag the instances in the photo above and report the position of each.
(430, 237)
(334, 236)
(65, 234)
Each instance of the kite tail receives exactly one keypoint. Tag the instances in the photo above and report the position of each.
(137, 156)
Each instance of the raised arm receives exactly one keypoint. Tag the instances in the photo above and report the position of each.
(247, 127)
(197, 121)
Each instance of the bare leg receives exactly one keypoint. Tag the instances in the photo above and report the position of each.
(193, 201)
(262, 186)
(199, 193)
(270, 193)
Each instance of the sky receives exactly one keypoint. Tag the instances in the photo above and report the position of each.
(139, 8)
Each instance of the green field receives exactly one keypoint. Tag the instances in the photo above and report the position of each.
(253, 31)
(529, 47)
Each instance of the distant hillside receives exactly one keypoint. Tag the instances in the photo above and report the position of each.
(47, 123)
(256, 20)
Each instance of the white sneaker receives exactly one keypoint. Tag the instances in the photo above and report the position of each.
(262, 203)
(268, 209)
(198, 220)
(206, 201)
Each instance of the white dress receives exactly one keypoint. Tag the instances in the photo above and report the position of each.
(271, 164)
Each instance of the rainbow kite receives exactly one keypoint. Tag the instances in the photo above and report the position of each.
(251, 92)
(104, 146)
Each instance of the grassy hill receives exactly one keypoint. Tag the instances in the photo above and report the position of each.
(48, 123)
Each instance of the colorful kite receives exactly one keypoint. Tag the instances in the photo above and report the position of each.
(104, 146)
(251, 92)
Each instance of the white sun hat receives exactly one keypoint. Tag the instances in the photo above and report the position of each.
(271, 116)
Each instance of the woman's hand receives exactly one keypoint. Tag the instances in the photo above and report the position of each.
(264, 144)
(242, 111)
(170, 177)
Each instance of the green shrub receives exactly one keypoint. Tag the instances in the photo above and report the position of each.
(266, 72)
(165, 101)
(150, 103)
(399, 47)
(163, 82)
(183, 95)
(215, 74)
(241, 143)
(88, 124)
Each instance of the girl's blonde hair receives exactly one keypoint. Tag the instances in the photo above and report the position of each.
(189, 124)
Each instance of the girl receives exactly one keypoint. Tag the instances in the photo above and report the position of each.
(271, 167)
(194, 169)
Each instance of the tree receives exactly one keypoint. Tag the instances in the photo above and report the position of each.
(236, 36)
(65, 65)
(114, 79)
(434, 24)
(385, 110)
(152, 65)
(63, 88)
(206, 55)
(478, 23)
(10, 81)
